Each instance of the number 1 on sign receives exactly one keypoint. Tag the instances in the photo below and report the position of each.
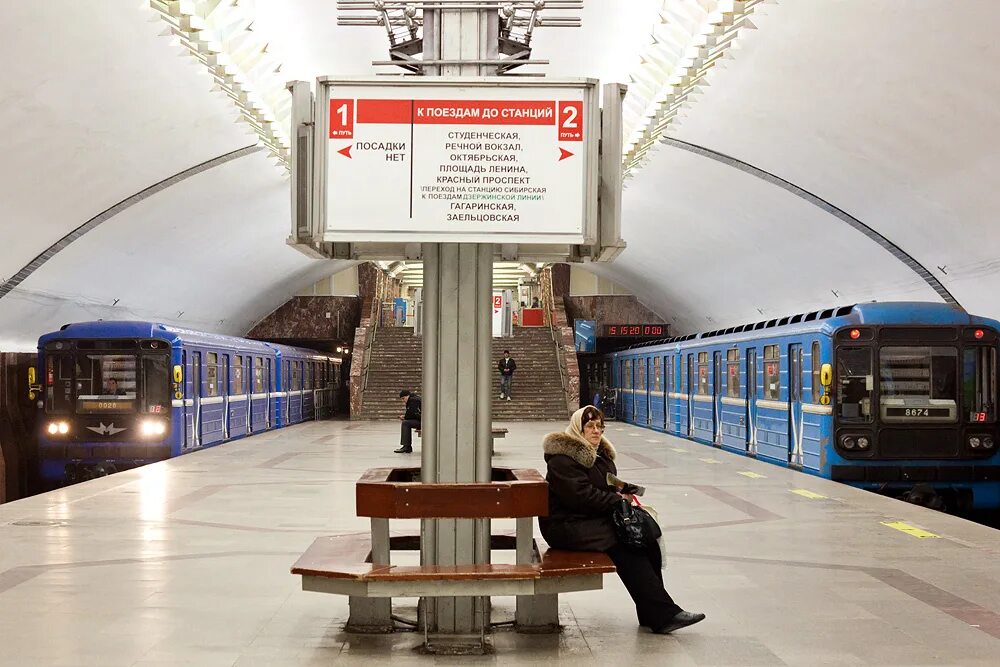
(341, 119)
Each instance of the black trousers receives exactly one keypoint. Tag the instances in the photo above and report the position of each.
(406, 433)
(640, 572)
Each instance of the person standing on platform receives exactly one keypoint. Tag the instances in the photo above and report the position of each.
(507, 368)
(581, 502)
(410, 420)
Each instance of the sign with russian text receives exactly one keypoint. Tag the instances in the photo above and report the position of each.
(459, 160)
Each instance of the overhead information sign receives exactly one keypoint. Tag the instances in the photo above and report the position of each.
(459, 160)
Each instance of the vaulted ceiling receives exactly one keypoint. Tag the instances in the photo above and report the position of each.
(836, 152)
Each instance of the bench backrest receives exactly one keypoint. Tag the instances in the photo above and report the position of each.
(394, 493)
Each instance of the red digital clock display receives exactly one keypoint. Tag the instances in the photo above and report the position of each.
(635, 330)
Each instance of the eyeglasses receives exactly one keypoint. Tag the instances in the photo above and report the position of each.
(594, 425)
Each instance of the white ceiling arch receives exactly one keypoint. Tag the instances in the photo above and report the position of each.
(887, 110)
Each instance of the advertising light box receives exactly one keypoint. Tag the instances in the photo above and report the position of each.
(458, 160)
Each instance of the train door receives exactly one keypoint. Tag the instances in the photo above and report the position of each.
(268, 384)
(717, 375)
(248, 389)
(690, 394)
(224, 388)
(795, 403)
(751, 393)
(286, 388)
(195, 399)
(668, 387)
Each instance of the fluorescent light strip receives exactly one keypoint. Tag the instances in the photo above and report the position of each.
(689, 39)
(219, 34)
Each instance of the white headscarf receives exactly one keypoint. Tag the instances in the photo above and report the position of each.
(575, 430)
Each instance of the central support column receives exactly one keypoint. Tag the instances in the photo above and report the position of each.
(457, 345)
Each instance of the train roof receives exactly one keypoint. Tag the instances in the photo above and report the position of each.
(172, 334)
(829, 319)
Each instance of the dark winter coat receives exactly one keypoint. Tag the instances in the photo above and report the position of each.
(507, 366)
(580, 499)
(412, 408)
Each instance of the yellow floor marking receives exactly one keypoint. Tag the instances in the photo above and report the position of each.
(679, 450)
(908, 529)
(808, 494)
(751, 475)
(710, 461)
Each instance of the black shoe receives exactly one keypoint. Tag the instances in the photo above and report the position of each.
(403, 450)
(681, 620)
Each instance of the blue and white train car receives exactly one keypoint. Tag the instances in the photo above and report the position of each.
(117, 395)
(890, 397)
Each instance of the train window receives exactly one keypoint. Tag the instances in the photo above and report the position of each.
(918, 383)
(156, 383)
(854, 384)
(296, 376)
(657, 374)
(979, 382)
(628, 373)
(815, 360)
(59, 383)
(258, 375)
(212, 374)
(640, 374)
(238, 386)
(703, 373)
(733, 373)
(772, 372)
(307, 375)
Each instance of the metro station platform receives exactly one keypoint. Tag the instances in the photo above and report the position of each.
(186, 562)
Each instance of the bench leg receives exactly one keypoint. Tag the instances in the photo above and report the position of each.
(537, 614)
(373, 615)
(369, 615)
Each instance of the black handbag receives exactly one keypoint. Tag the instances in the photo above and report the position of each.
(634, 526)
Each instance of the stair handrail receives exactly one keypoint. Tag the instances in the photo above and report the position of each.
(550, 312)
(374, 317)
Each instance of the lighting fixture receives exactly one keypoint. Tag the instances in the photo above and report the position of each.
(688, 39)
(220, 36)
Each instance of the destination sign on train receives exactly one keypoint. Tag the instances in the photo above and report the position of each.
(464, 163)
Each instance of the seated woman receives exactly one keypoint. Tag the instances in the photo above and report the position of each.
(580, 507)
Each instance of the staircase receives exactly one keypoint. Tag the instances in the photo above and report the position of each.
(537, 390)
(396, 358)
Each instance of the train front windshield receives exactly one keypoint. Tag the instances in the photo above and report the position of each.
(107, 382)
(926, 384)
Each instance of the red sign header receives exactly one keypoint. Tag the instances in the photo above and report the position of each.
(568, 116)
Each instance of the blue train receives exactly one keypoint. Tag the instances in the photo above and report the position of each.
(116, 395)
(899, 398)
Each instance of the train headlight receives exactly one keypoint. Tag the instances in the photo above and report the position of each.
(152, 427)
(975, 442)
(60, 428)
(987, 442)
(863, 442)
(848, 442)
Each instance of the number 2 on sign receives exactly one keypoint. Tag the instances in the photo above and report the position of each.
(570, 116)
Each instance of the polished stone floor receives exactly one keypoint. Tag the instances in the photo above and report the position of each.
(186, 563)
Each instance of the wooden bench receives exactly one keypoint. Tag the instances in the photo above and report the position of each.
(359, 565)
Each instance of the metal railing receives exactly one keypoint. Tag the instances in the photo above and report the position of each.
(374, 318)
(550, 312)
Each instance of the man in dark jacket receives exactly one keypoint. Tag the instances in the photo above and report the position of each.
(580, 505)
(506, 368)
(410, 420)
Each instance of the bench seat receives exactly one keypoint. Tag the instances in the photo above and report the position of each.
(342, 564)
